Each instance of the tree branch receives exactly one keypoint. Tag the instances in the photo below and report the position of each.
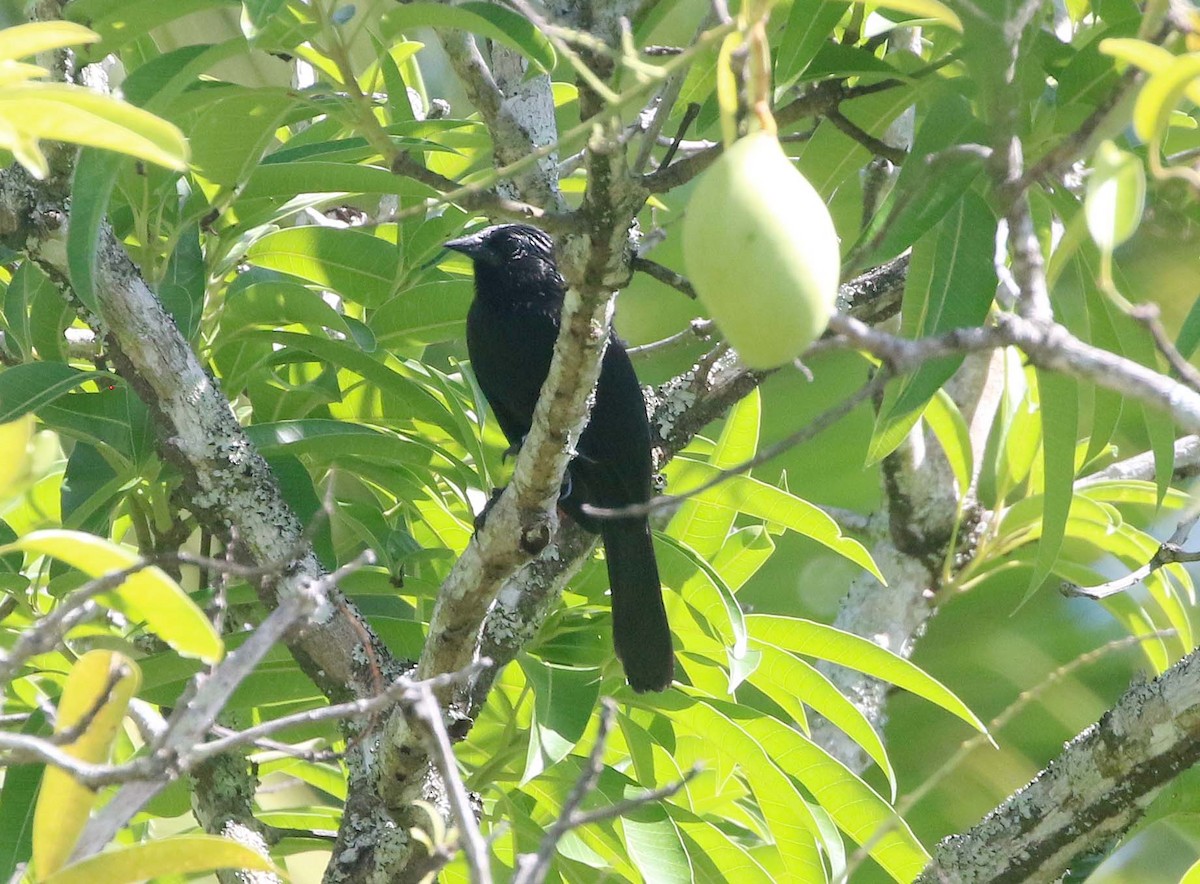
(1094, 790)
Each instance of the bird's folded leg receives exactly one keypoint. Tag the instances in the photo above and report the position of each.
(513, 450)
(481, 518)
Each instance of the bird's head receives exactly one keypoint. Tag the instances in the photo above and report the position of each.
(513, 262)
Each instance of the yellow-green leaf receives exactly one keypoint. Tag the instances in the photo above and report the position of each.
(178, 855)
(98, 689)
(1147, 56)
(18, 71)
(855, 652)
(68, 113)
(930, 9)
(14, 442)
(1116, 196)
(1162, 93)
(148, 595)
(23, 41)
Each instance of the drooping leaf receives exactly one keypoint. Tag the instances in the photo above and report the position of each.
(564, 698)
(1059, 396)
(951, 284)
(161, 858)
(486, 19)
(702, 526)
(26, 388)
(18, 796)
(854, 652)
(148, 595)
(762, 501)
(97, 693)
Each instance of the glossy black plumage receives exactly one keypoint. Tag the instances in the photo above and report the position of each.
(511, 329)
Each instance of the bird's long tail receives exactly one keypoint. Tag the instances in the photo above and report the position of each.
(641, 635)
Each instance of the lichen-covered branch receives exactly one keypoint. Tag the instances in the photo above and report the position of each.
(1092, 792)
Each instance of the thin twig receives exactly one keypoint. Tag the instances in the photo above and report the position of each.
(1169, 552)
(532, 868)
(697, 330)
(1148, 315)
(664, 274)
(426, 711)
(689, 115)
(880, 148)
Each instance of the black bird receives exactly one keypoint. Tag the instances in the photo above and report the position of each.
(511, 329)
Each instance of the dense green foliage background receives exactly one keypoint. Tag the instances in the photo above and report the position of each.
(308, 277)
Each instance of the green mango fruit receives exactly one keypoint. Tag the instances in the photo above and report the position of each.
(761, 252)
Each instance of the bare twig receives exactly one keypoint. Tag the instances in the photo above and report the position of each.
(878, 147)
(533, 867)
(1148, 315)
(664, 274)
(697, 330)
(1170, 552)
(424, 709)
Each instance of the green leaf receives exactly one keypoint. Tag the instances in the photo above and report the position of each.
(852, 804)
(1059, 398)
(706, 577)
(1189, 332)
(656, 846)
(175, 855)
(28, 387)
(424, 314)
(18, 795)
(564, 698)
(743, 553)
(148, 595)
(809, 25)
(181, 290)
(925, 190)
(486, 19)
(702, 526)
(952, 433)
(254, 114)
(124, 21)
(27, 284)
(790, 682)
(358, 266)
(90, 485)
(784, 810)
(762, 501)
(113, 417)
(1137, 343)
(854, 652)
(288, 179)
(951, 284)
(275, 303)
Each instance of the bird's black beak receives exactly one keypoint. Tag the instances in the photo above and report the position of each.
(472, 246)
